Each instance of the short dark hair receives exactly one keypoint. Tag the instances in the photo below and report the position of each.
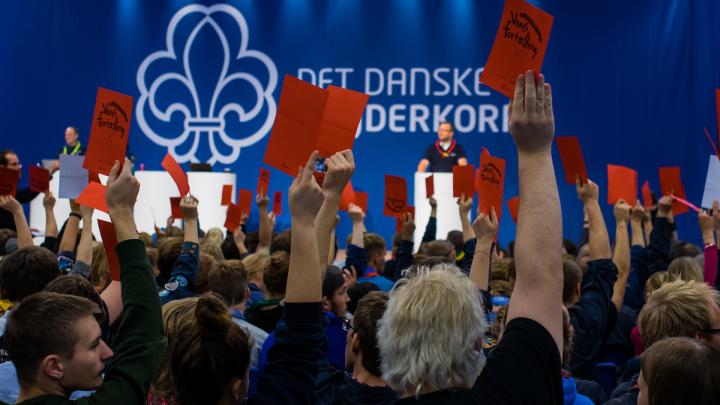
(276, 274)
(683, 249)
(357, 292)
(457, 240)
(169, 249)
(228, 279)
(5, 234)
(570, 247)
(281, 242)
(572, 275)
(28, 343)
(373, 243)
(441, 248)
(365, 324)
(452, 126)
(3, 156)
(74, 285)
(27, 271)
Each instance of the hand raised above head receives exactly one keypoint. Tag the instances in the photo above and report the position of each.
(531, 119)
(485, 226)
(340, 168)
(305, 196)
(188, 206)
(122, 188)
(621, 210)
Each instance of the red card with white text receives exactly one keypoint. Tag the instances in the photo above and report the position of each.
(232, 219)
(647, 195)
(514, 208)
(39, 179)
(8, 181)
(429, 186)
(572, 158)
(361, 200)
(347, 197)
(178, 175)
(93, 196)
(175, 210)
(519, 46)
(277, 203)
(491, 184)
(263, 182)
(109, 131)
(226, 194)
(671, 183)
(343, 112)
(109, 240)
(244, 201)
(622, 184)
(395, 196)
(463, 181)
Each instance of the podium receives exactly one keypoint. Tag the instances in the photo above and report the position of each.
(448, 217)
(153, 202)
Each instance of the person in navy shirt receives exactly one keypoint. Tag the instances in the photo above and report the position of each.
(444, 153)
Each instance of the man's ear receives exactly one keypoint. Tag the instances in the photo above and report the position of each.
(52, 366)
(238, 390)
(246, 294)
(326, 304)
(354, 342)
(577, 290)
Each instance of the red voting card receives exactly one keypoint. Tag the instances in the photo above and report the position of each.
(93, 196)
(297, 122)
(8, 181)
(429, 186)
(109, 131)
(572, 158)
(93, 176)
(175, 210)
(226, 194)
(232, 220)
(347, 197)
(622, 184)
(647, 195)
(244, 202)
(263, 182)
(491, 183)
(39, 179)
(463, 179)
(343, 112)
(361, 200)
(519, 45)
(109, 240)
(277, 203)
(671, 183)
(178, 175)
(514, 207)
(395, 196)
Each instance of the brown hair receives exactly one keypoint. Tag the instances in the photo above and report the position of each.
(256, 263)
(212, 249)
(228, 279)
(373, 243)
(146, 238)
(177, 317)
(275, 276)
(440, 248)
(681, 370)
(169, 249)
(201, 279)
(572, 276)
(656, 281)
(370, 310)
(281, 242)
(27, 271)
(28, 343)
(678, 308)
(685, 268)
(209, 355)
(99, 269)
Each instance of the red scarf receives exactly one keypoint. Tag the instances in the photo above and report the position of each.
(444, 153)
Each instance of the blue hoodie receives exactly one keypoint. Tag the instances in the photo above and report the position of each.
(570, 395)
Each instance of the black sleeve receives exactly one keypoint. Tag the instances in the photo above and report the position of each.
(24, 195)
(524, 368)
(404, 258)
(466, 262)
(658, 250)
(51, 243)
(430, 230)
(428, 153)
(460, 151)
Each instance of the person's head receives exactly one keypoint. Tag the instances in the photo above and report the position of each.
(152, 254)
(456, 238)
(228, 279)
(681, 308)
(684, 249)
(256, 264)
(66, 352)
(678, 371)
(82, 287)
(656, 281)
(375, 251)
(569, 247)
(572, 276)
(583, 257)
(201, 279)
(211, 249)
(685, 268)
(445, 131)
(431, 333)
(252, 240)
(334, 290)
(26, 271)
(9, 160)
(146, 238)
(169, 249)
(440, 248)
(5, 234)
(177, 317)
(71, 135)
(215, 236)
(362, 342)
(357, 292)
(276, 274)
(281, 242)
(211, 358)
(100, 269)
(173, 232)
(499, 269)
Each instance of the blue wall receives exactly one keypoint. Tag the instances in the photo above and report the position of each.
(634, 80)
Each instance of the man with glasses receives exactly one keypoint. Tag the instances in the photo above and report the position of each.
(9, 160)
(444, 153)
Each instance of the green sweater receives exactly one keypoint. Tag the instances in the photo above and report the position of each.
(139, 343)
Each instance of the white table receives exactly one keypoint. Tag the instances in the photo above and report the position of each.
(448, 218)
(153, 203)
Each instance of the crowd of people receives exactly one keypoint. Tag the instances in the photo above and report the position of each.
(272, 316)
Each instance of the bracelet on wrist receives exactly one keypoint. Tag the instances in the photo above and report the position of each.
(76, 215)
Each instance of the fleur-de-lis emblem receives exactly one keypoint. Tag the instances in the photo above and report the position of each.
(206, 83)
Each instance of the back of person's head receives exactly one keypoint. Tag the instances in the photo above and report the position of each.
(49, 324)
(499, 269)
(357, 292)
(572, 275)
(252, 240)
(396, 241)
(430, 335)
(583, 257)
(169, 249)
(206, 263)
(456, 239)
(211, 357)
(440, 248)
(678, 308)
(281, 242)
(334, 291)
(656, 281)
(228, 279)
(212, 249)
(74, 285)
(683, 249)
(173, 232)
(374, 243)
(501, 288)
(5, 234)
(27, 271)
(215, 236)
(229, 248)
(678, 371)
(146, 238)
(177, 317)
(256, 263)
(99, 269)
(370, 310)
(569, 247)
(685, 268)
(276, 274)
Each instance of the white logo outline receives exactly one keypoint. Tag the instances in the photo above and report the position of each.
(215, 121)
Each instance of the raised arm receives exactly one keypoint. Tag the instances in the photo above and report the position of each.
(637, 217)
(485, 228)
(539, 284)
(188, 206)
(707, 228)
(423, 165)
(599, 241)
(264, 231)
(464, 207)
(621, 255)
(431, 227)
(24, 237)
(51, 227)
(84, 250)
(340, 168)
(67, 243)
